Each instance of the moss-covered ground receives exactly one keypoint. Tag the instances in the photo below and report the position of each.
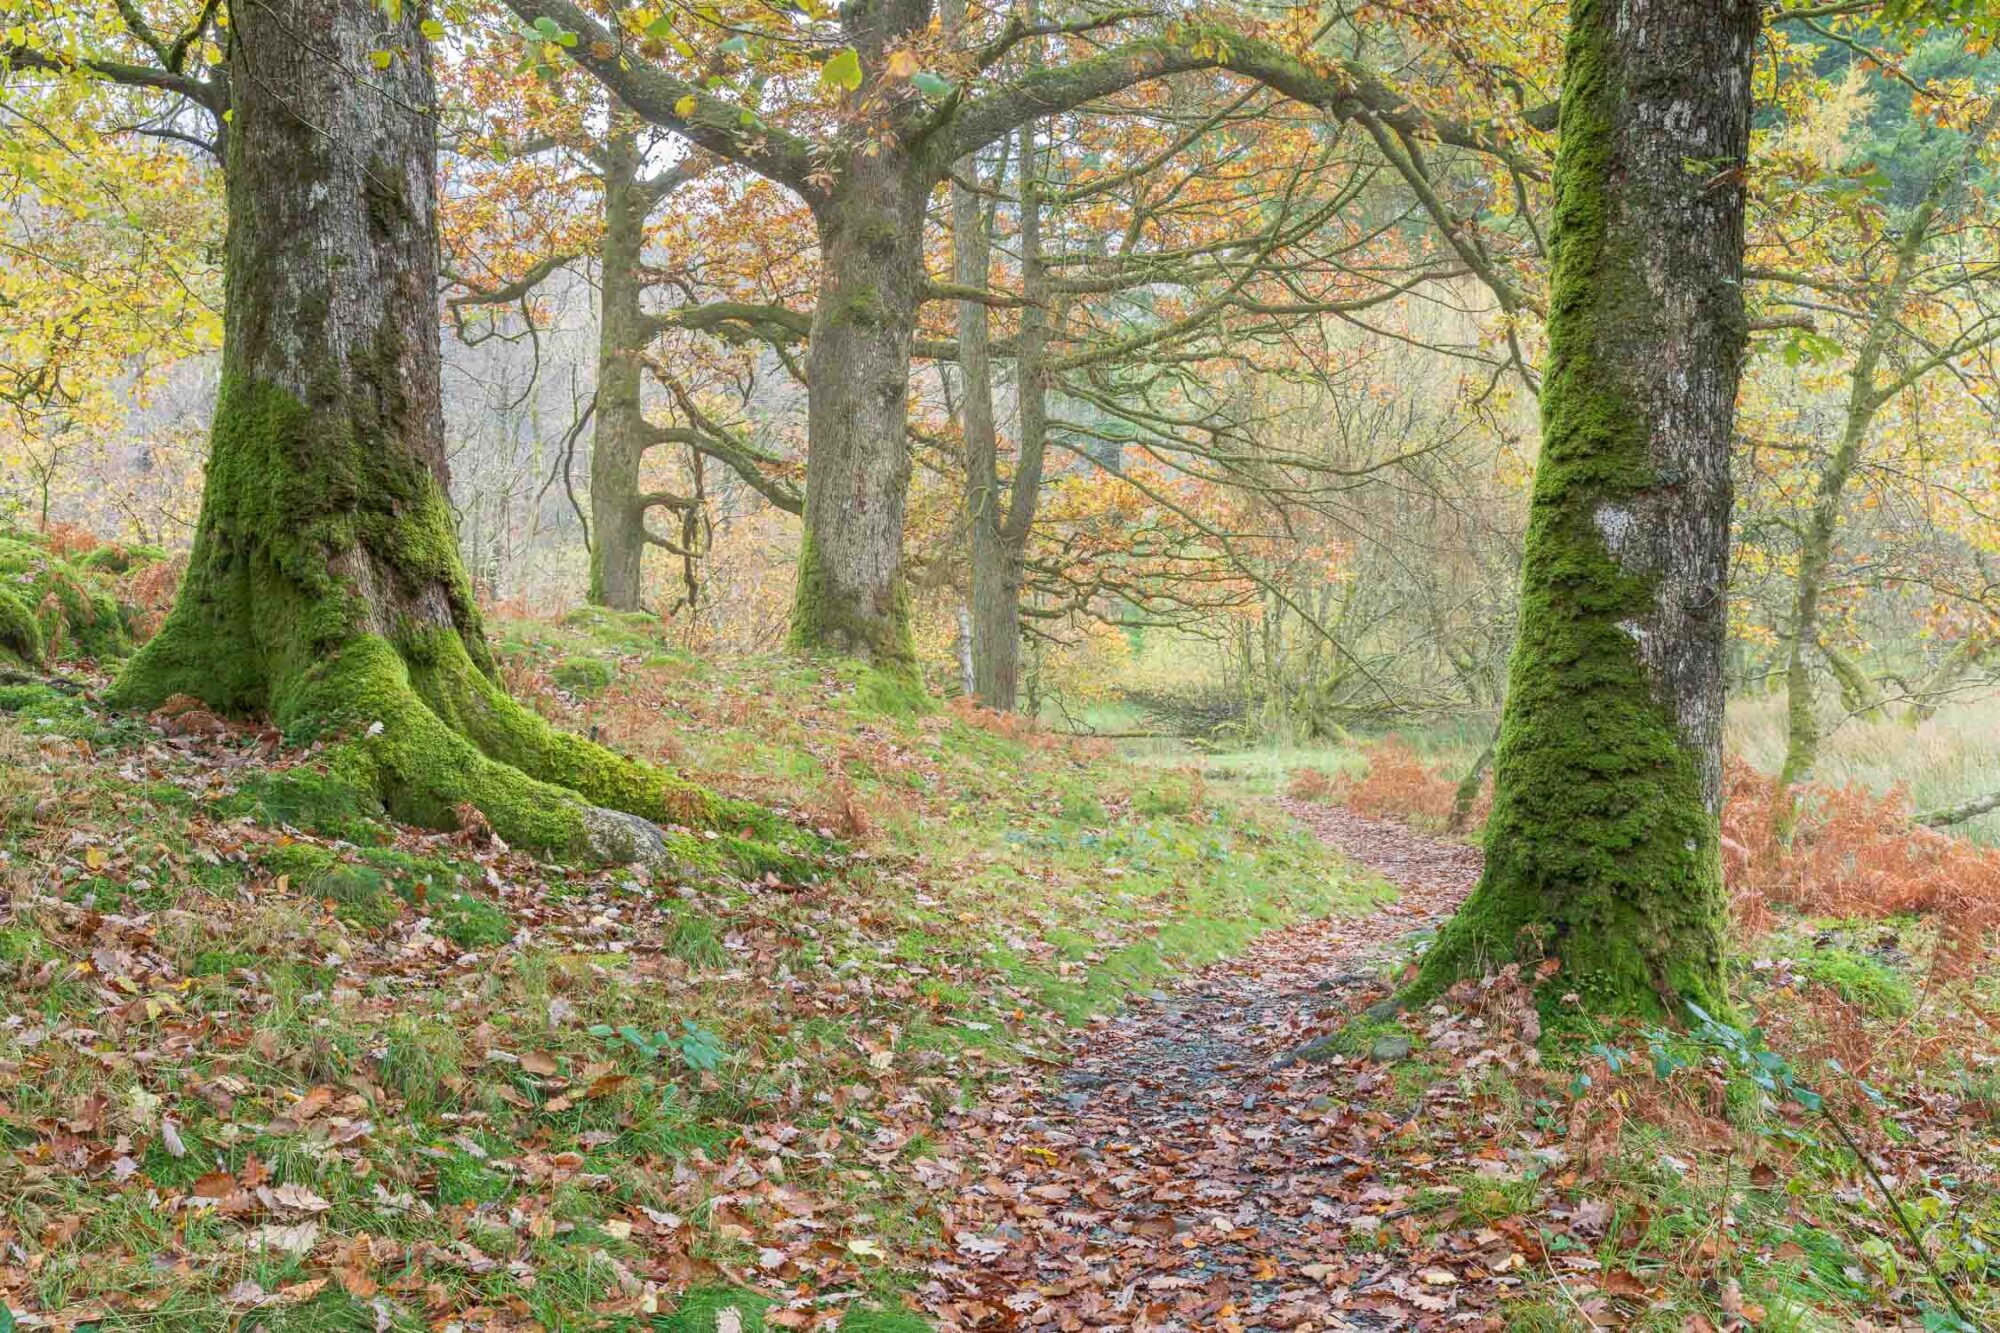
(269, 1059)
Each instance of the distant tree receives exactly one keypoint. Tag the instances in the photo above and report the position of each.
(867, 167)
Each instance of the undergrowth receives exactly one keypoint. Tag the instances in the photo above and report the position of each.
(267, 1059)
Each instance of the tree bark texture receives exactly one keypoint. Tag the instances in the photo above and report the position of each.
(1602, 848)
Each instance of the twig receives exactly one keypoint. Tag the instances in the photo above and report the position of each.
(1896, 1207)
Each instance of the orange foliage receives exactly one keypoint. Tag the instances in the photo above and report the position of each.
(1854, 853)
(68, 541)
(1397, 785)
(148, 590)
(1310, 784)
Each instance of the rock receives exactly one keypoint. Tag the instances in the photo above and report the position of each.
(1382, 1011)
(1388, 1050)
(612, 837)
(1314, 1051)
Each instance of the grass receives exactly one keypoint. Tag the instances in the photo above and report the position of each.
(1945, 759)
(417, 1044)
(1449, 747)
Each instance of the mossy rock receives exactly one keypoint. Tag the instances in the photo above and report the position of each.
(584, 677)
(615, 629)
(116, 558)
(20, 633)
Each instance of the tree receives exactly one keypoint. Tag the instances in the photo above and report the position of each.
(868, 181)
(1933, 265)
(325, 585)
(1602, 848)
(565, 182)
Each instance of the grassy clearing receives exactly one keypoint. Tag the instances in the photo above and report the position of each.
(267, 1059)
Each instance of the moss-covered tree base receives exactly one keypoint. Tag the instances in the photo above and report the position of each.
(844, 623)
(325, 591)
(431, 737)
(1602, 850)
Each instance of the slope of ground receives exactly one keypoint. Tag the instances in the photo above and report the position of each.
(267, 1060)
(1271, 1146)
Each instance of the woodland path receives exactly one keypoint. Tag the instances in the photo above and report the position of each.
(1188, 1171)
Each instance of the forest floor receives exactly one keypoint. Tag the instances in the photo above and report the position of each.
(1058, 1042)
(1268, 1145)
(1211, 1154)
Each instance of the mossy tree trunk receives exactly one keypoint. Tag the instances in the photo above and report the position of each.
(850, 598)
(325, 586)
(1602, 848)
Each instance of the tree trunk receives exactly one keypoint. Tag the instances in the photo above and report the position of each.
(1467, 795)
(1864, 398)
(996, 581)
(325, 586)
(1602, 848)
(618, 444)
(1859, 694)
(1963, 811)
(851, 598)
(1957, 664)
(1000, 623)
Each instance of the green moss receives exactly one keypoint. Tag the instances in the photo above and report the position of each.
(113, 558)
(1600, 849)
(622, 630)
(298, 514)
(49, 711)
(74, 612)
(584, 676)
(20, 634)
(1860, 980)
(310, 800)
(858, 306)
(893, 693)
